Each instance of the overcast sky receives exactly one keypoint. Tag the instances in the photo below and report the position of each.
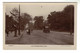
(36, 9)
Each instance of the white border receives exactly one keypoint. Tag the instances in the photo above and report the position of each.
(48, 47)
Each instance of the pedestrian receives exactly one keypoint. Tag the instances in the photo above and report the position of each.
(15, 30)
(29, 32)
(7, 32)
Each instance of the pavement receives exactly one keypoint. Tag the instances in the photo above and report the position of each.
(39, 37)
(11, 36)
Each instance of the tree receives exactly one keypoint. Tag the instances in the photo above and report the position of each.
(62, 20)
(19, 20)
(7, 24)
(25, 18)
(10, 22)
(38, 22)
(69, 10)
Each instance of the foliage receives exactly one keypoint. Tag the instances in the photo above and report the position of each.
(62, 20)
(13, 20)
(24, 19)
(10, 22)
(38, 22)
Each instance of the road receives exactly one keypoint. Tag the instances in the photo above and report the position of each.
(38, 37)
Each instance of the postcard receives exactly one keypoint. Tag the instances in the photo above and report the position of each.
(39, 25)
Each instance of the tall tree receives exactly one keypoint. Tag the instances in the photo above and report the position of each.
(69, 10)
(10, 22)
(25, 18)
(21, 20)
(38, 22)
(62, 20)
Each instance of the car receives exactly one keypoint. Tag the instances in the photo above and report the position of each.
(46, 29)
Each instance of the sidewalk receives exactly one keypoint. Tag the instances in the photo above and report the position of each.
(11, 36)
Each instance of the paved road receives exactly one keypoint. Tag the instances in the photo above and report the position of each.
(38, 37)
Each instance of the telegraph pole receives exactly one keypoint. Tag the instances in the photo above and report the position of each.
(19, 21)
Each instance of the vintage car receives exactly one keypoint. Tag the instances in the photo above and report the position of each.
(46, 29)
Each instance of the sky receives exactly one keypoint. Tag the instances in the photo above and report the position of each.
(36, 9)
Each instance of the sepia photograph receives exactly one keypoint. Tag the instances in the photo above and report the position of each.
(39, 24)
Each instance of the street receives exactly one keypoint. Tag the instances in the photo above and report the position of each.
(39, 37)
